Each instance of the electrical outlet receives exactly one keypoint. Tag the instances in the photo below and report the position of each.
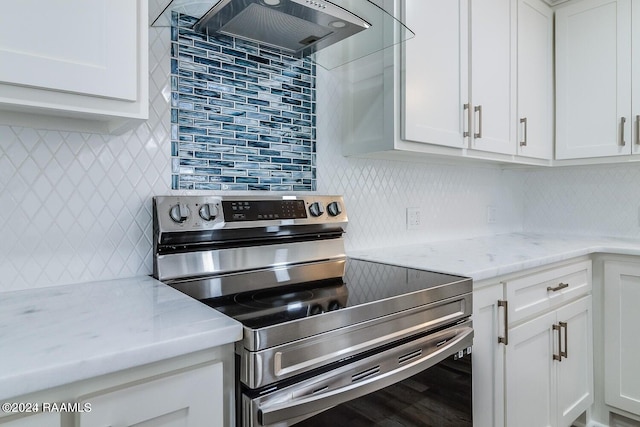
(491, 214)
(414, 218)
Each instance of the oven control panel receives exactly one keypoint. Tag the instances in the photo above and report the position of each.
(182, 213)
(257, 210)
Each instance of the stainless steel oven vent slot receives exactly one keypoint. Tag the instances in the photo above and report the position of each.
(318, 390)
(365, 374)
(409, 356)
(441, 343)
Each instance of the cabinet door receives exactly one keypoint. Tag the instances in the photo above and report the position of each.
(530, 373)
(535, 79)
(74, 65)
(621, 338)
(434, 82)
(575, 372)
(488, 357)
(635, 84)
(79, 46)
(191, 398)
(493, 45)
(593, 78)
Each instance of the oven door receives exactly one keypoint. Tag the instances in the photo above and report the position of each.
(421, 382)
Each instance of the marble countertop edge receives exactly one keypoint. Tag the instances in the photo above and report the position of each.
(488, 257)
(63, 334)
(23, 383)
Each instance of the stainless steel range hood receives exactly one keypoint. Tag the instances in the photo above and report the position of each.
(329, 33)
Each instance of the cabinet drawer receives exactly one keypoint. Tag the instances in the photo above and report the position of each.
(537, 292)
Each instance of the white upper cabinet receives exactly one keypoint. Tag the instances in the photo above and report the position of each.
(593, 78)
(633, 130)
(452, 89)
(493, 51)
(435, 79)
(535, 79)
(83, 60)
(440, 65)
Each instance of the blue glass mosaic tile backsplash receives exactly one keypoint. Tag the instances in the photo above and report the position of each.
(243, 115)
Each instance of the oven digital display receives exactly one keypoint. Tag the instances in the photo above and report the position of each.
(261, 210)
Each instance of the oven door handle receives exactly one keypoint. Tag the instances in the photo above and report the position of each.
(278, 412)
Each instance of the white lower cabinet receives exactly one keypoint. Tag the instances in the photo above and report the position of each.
(192, 398)
(488, 358)
(530, 384)
(575, 369)
(192, 390)
(533, 348)
(549, 364)
(621, 335)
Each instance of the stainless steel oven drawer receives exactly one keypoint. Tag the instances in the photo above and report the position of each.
(309, 397)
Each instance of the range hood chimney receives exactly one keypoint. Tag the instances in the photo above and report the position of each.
(331, 33)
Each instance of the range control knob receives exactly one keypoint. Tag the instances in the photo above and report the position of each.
(315, 309)
(316, 209)
(334, 305)
(179, 213)
(208, 212)
(334, 209)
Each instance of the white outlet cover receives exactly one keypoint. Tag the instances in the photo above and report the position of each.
(414, 218)
(491, 214)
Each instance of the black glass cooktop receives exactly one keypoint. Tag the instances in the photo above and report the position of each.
(364, 282)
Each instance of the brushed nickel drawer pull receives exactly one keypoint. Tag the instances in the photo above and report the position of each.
(566, 351)
(478, 109)
(504, 340)
(523, 121)
(558, 356)
(467, 133)
(557, 288)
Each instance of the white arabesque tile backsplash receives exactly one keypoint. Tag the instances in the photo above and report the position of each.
(596, 200)
(77, 207)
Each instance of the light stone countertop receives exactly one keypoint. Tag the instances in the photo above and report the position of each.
(63, 334)
(488, 257)
(59, 335)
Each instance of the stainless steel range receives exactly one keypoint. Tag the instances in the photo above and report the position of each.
(327, 339)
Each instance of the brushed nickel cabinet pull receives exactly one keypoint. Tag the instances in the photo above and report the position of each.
(558, 356)
(523, 121)
(623, 120)
(467, 133)
(566, 351)
(505, 339)
(557, 288)
(638, 129)
(478, 109)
